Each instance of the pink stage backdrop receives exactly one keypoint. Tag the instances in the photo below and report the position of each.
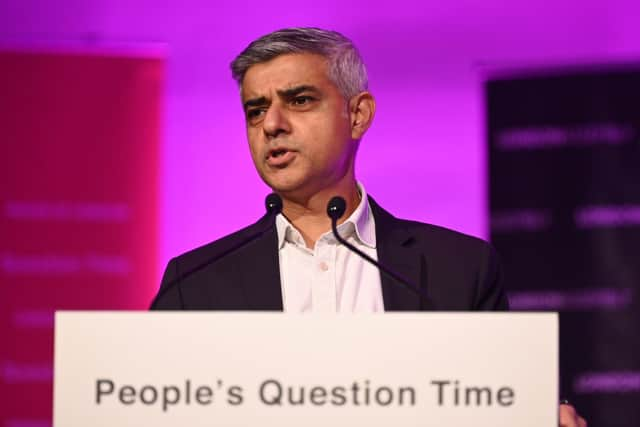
(78, 204)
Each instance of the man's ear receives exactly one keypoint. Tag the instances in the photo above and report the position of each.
(362, 108)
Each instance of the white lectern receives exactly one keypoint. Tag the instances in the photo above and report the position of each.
(272, 369)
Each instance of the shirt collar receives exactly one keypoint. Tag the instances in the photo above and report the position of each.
(361, 222)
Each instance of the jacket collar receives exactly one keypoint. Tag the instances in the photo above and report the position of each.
(396, 248)
(360, 223)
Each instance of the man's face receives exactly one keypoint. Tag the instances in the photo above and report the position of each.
(298, 125)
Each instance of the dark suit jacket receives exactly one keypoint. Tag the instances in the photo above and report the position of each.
(457, 272)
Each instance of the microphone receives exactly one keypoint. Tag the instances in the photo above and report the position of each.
(335, 209)
(273, 205)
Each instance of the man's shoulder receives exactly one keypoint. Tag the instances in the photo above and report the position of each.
(441, 235)
(445, 246)
(427, 235)
(220, 246)
(462, 272)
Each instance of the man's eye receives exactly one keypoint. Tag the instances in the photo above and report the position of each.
(252, 114)
(302, 100)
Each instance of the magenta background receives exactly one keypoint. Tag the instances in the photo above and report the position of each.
(424, 158)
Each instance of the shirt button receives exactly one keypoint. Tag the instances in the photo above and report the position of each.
(323, 266)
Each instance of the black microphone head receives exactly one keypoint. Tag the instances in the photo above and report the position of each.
(336, 207)
(273, 203)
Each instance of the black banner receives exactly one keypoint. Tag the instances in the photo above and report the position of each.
(564, 162)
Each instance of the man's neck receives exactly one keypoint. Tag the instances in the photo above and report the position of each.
(310, 216)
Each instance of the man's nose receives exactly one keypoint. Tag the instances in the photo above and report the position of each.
(275, 121)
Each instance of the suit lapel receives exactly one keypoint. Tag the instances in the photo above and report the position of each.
(397, 251)
(261, 279)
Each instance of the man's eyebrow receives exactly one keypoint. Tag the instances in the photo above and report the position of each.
(284, 93)
(254, 102)
(296, 90)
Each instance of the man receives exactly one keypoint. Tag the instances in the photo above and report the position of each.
(307, 107)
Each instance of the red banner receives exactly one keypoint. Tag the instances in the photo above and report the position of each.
(78, 204)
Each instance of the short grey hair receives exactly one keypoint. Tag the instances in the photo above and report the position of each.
(345, 66)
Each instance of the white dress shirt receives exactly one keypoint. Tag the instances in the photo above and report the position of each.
(330, 278)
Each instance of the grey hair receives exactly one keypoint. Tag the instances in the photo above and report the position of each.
(345, 66)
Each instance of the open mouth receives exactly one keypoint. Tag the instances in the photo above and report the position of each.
(277, 153)
(280, 157)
